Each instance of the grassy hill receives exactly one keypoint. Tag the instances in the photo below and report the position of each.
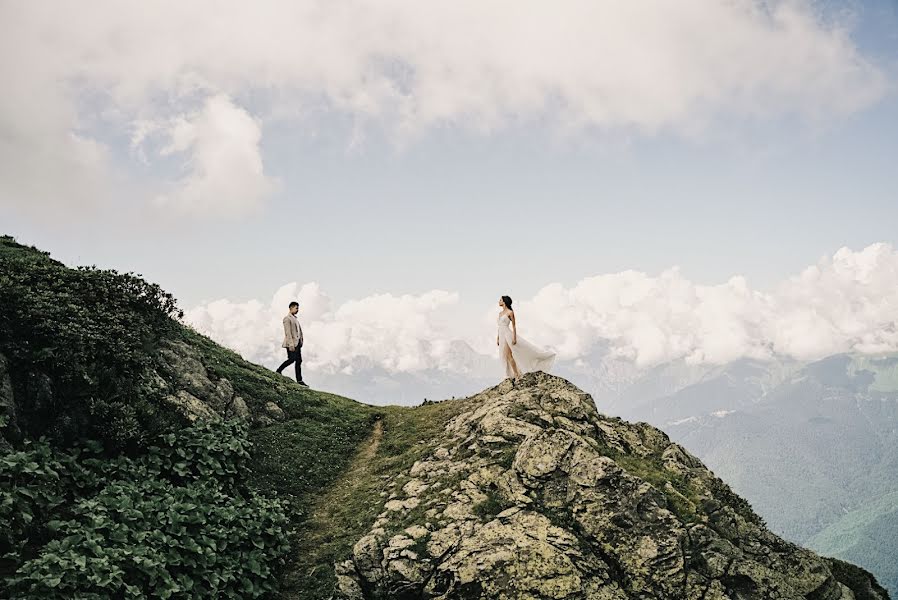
(84, 390)
(140, 459)
(83, 357)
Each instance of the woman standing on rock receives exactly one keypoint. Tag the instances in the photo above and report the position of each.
(519, 355)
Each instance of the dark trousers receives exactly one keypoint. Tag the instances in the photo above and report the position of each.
(293, 357)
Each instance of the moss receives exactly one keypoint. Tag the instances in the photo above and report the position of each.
(491, 506)
(505, 456)
(516, 411)
(420, 545)
(682, 497)
(562, 519)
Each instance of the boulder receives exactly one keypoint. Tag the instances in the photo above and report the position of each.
(274, 411)
(190, 406)
(588, 507)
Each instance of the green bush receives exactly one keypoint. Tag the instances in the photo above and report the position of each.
(173, 523)
(81, 345)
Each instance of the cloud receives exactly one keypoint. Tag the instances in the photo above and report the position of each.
(225, 174)
(404, 66)
(47, 158)
(846, 302)
(396, 333)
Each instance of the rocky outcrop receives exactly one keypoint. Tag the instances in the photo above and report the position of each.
(180, 379)
(187, 386)
(531, 493)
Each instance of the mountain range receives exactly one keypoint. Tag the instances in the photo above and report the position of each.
(813, 445)
(139, 458)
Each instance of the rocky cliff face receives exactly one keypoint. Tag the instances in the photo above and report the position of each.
(182, 381)
(188, 386)
(531, 493)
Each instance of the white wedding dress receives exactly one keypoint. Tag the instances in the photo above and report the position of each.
(527, 356)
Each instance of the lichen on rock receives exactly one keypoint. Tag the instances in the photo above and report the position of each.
(188, 387)
(531, 493)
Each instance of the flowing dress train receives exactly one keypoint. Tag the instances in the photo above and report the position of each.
(527, 356)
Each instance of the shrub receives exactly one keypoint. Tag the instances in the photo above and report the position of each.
(81, 345)
(173, 523)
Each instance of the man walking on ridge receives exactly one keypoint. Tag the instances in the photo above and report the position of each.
(293, 343)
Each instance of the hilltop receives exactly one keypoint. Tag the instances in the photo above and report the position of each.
(140, 458)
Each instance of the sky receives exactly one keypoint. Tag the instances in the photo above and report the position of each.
(700, 179)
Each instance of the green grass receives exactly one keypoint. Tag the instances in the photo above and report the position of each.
(302, 456)
(348, 508)
(304, 460)
(9, 247)
(682, 500)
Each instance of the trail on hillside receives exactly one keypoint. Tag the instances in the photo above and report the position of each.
(370, 449)
(310, 576)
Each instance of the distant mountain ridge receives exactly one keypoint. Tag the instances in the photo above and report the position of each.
(812, 445)
(125, 377)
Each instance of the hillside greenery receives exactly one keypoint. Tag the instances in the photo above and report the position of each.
(108, 492)
(346, 510)
(111, 493)
(866, 536)
(80, 345)
(175, 522)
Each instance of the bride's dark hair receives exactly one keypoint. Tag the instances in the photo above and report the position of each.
(507, 301)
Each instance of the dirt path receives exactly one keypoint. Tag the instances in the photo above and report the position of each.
(323, 507)
(368, 452)
(331, 528)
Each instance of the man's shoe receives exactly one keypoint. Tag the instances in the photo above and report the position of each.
(303, 383)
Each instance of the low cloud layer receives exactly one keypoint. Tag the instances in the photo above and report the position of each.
(76, 76)
(397, 333)
(846, 302)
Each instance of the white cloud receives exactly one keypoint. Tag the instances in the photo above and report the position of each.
(847, 302)
(396, 333)
(649, 65)
(225, 174)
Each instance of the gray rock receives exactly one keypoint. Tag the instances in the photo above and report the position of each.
(238, 408)
(222, 395)
(186, 374)
(263, 421)
(187, 371)
(274, 411)
(590, 507)
(190, 406)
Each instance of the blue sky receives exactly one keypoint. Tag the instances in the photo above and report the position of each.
(505, 191)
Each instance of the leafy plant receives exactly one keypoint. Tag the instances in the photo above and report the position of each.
(173, 523)
(80, 345)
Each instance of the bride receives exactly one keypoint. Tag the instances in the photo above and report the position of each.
(519, 355)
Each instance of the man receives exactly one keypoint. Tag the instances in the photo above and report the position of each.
(293, 343)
